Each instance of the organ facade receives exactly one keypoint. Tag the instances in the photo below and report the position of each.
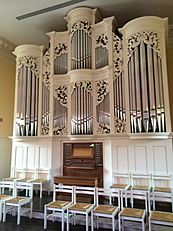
(95, 83)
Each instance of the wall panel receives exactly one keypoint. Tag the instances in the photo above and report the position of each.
(141, 159)
(43, 158)
(160, 159)
(31, 157)
(122, 159)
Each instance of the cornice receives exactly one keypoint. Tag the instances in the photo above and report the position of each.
(6, 49)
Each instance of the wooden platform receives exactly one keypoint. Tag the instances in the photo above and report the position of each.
(78, 181)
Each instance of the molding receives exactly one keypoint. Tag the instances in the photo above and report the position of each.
(6, 49)
(170, 35)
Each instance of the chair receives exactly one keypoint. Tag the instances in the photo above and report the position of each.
(162, 189)
(103, 210)
(58, 206)
(159, 217)
(42, 177)
(133, 214)
(82, 208)
(10, 185)
(121, 181)
(19, 201)
(17, 174)
(140, 184)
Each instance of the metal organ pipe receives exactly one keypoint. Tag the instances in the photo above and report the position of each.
(26, 118)
(146, 90)
(81, 110)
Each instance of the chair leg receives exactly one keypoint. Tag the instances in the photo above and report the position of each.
(113, 223)
(143, 225)
(1, 210)
(41, 189)
(45, 217)
(18, 215)
(92, 221)
(119, 221)
(126, 199)
(154, 204)
(4, 213)
(131, 199)
(62, 221)
(31, 208)
(74, 219)
(87, 222)
(67, 220)
(149, 224)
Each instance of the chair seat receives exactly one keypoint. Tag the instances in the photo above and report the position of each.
(119, 186)
(162, 189)
(140, 187)
(11, 179)
(38, 180)
(105, 209)
(24, 179)
(58, 204)
(132, 212)
(4, 197)
(80, 206)
(161, 216)
(18, 199)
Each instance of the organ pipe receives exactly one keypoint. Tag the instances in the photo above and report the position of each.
(82, 112)
(81, 50)
(27, 106)
(146, 90)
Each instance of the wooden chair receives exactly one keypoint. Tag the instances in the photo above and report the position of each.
(59, 206)
(162, 189)
(159, 217)
(19, 201)
(82, 208)
(10, 185)
(121, 181)
(103, 210)
(133, 214)
(17, 174)
(140, 185)
(42, 178)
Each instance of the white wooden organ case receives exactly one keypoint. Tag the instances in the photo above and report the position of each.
(96, 82)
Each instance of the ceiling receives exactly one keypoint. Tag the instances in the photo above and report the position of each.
(32, 30)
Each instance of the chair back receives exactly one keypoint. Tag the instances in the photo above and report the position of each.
(162, 180)
(141, 196)
(65, 191)
(20, 186)
(121, 178)
(43, 174)
(141, 179)
(83, 193)
(10, 185)
(106, 196)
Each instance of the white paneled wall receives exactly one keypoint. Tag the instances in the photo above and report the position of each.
(142, 156)
(35, 155)
(119, 155)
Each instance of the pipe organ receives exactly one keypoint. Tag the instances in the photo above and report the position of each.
(93, 80)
